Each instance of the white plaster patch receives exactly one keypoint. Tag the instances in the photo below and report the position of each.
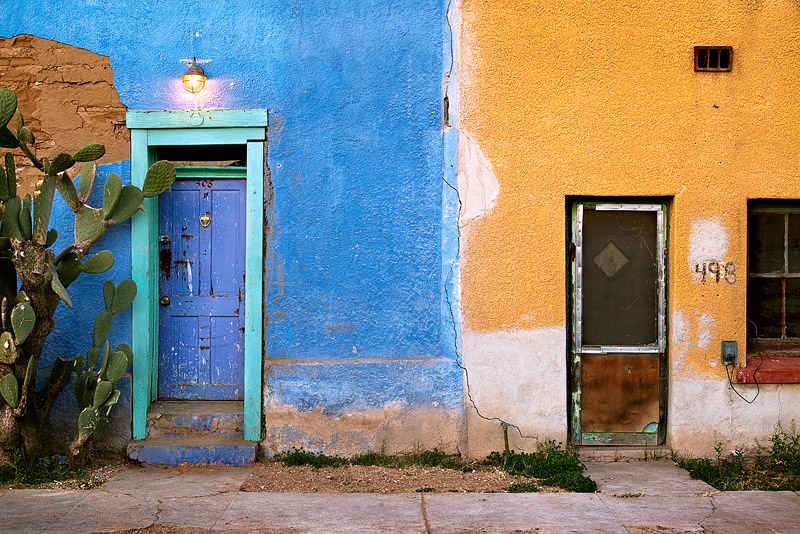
(708, 241)
(703, 413)
(704, 330)
(679, 333)
(477, 185)
(519, 376)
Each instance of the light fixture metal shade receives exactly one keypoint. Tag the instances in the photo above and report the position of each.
(195, 79)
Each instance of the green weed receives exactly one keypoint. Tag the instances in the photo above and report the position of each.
(773, 467)
(19, 472)
(551, 464)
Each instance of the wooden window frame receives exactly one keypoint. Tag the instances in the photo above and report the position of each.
(772, 360)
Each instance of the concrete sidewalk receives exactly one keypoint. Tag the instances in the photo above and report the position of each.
(635, 497)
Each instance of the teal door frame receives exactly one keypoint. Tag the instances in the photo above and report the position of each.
(149, 130)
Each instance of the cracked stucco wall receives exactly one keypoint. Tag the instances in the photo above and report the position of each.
(601, 99)
(68, 91)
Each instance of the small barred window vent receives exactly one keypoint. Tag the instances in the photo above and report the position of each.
(713, 58)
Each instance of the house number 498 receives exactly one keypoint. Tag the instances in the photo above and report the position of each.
(716, 270)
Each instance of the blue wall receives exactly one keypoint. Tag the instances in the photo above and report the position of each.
(354, 90)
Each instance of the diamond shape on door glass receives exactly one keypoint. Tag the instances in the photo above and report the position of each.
(610, 259)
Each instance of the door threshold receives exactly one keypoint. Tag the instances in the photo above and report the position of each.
(606, 453)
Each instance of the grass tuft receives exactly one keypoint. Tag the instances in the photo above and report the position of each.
(551, 464)
(48, 469)
(775, 467)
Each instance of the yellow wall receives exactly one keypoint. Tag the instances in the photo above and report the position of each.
(600, 98)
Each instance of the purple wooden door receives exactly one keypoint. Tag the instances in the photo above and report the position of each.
(201, 316)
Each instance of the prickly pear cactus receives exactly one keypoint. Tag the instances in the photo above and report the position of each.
(95, 389)
(34, 279)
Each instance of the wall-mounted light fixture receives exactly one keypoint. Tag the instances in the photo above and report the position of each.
(195, 79)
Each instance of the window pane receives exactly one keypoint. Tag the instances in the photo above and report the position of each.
(766, 234)
(794, 242)
(793, 307)
(764, 307)
(620, 270)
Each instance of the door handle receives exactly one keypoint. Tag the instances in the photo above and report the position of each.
(164, 301)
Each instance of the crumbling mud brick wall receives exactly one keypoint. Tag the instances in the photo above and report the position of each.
(69, 92)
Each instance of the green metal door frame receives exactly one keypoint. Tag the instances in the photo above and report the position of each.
(150, 129)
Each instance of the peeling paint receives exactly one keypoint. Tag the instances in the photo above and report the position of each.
(477, 185)
(704, 333)
(708, 241)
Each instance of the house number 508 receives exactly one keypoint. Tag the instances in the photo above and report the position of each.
(205, 183)
(718, 270)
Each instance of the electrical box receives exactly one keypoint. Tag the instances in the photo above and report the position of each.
(729, 352)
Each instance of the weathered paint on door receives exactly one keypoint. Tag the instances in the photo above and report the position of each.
(201, 317)
(618, 371)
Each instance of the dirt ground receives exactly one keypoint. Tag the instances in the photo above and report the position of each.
(276, 477)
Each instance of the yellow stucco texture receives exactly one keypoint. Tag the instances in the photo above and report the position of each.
(600, 98)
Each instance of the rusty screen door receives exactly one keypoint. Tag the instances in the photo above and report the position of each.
(618, 375)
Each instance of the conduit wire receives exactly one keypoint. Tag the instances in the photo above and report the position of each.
(459, 360)
(755, 379)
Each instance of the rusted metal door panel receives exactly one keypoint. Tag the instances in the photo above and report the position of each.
(618, 381)
(201, 319)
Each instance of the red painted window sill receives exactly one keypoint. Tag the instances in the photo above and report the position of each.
(773, 370)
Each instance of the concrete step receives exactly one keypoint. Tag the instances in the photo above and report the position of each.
(218, 419)
(609, 453)
(164, 451)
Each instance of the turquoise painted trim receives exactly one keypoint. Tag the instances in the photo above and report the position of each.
(211, 172)
(211, 136)
(208, 118)
(142, 273)
(254, 301)
(150, 129)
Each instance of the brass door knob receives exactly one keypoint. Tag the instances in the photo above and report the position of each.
(164, 301)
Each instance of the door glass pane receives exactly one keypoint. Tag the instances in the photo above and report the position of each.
(619, 392)
(620, 275)
(792, 307)
(794, 243)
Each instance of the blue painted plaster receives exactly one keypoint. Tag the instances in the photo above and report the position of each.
(354, 261)
(347, 387)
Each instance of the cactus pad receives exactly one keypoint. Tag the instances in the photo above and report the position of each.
(111, 193)
(25, 135)
(123, 296)
(25, 224)
(42, 206)
(58, 287)
(61, 367)
(22, 320)
(88, 224)
(11, 219)
(87, 421)
(8, 349)
(102, 327)
(7, 139)
(124, 347)
(86, 181)
(99, 263)
(102, 392)
(68, 193)
(92, 356)
(9, 389)
(59, 164)
(8, 105)
(130, 201)
(69, 269)
(108, 294)
(117, 365)
(159, 178)
(90, 152)
(80, 385)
